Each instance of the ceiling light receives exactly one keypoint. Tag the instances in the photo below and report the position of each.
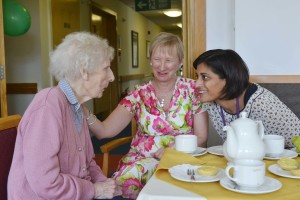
(96, 17)
(172, 13)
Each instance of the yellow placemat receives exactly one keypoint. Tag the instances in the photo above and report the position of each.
(213, 190)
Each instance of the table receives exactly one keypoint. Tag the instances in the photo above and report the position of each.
(163, 186)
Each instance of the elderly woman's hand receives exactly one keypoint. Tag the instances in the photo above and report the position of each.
(107, 189)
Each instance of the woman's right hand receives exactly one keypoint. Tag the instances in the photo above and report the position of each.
(107, 189)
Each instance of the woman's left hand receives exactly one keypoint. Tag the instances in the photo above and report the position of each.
(160, 152)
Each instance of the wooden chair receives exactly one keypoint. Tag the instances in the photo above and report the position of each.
(8, 134)
(106, 148)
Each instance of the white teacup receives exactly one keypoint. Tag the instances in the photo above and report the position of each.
(274, 145)
(247, 174)
(186, 143)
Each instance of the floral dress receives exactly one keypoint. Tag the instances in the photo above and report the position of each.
(156, 128)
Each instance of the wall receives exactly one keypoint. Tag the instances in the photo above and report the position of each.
(27, 56)
(127, 20)
(264, 32)
(23, 58)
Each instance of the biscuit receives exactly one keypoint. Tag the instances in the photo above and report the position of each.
(295, 172)
(207, 170)
(288, 163)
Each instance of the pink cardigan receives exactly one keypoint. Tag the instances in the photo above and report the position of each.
(51, 160)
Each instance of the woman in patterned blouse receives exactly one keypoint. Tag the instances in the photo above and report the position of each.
(223, 81)
(164, 107)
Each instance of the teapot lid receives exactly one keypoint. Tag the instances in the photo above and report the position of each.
(243, 119)
(244, 114)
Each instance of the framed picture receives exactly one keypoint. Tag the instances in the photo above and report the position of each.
(147, 48)
(135, 48)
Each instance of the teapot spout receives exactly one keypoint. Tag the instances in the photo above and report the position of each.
(231, 145)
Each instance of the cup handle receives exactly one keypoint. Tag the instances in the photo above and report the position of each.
(228, 174)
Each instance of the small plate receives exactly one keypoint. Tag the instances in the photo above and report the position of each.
(216, 150)
(294, 149)
(276, 169)
(270, 185)
(200, 151)
(286, 154)
(179, 172)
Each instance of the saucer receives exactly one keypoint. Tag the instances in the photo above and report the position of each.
(276, 169)
(270, 185)
(216, 150)
(179, 172)
(200, 151)
(286, 154)
(294, 149)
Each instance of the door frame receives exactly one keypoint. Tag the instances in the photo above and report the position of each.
(113, 87)
(3, 97)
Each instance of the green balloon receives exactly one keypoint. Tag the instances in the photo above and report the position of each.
(16, 18)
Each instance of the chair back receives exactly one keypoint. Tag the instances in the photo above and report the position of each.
(106, 148)
(8, 134)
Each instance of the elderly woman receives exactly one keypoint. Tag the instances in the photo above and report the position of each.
(163, 107)
(223, 81)
(53, 157)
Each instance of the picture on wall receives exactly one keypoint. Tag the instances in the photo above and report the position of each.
(135, 49)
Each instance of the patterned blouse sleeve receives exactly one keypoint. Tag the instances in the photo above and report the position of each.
(279, 119)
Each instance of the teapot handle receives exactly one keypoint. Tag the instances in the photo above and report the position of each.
(261, 129)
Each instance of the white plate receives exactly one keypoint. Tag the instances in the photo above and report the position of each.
(217, 150)
(200, 151)
(270, 185)
(276, 169)
(179, 172)
(294, 149)
(286, 154)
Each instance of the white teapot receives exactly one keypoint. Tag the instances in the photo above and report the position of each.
(244, 139)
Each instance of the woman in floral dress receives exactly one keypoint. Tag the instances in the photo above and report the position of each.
(163, 108)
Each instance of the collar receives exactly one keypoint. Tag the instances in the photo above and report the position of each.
(68, 91)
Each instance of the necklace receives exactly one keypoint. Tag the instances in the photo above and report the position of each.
(162, 102)
(162, 98)
(237, 112)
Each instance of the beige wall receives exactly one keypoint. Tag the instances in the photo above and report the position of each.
(27, 56)
(127, 20)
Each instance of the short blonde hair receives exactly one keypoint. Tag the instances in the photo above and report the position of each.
(79, 49)
(165, 39)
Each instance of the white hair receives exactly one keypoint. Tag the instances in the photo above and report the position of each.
(79, 49)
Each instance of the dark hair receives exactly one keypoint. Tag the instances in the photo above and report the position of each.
(228, 65)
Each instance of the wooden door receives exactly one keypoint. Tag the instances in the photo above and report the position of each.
(3, 100)
(104, 24)
(65, 19)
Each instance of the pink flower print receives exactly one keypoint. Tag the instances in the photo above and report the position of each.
(189, 118)
(131, 188)
(154, 111)
(135, 94)
(146, 143)
(160, 126)
(126, 103)
(176, 93)
(145, 97)
(135, 142)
